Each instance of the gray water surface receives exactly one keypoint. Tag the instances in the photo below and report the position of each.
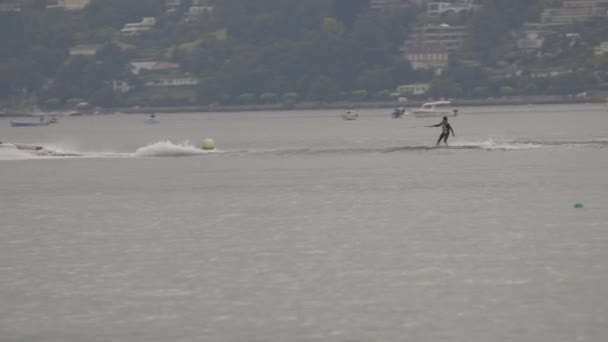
(304, 227)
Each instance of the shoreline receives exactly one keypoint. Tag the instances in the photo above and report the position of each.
(520, 101)
(510, 101)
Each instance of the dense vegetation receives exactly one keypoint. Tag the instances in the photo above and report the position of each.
(270, 51)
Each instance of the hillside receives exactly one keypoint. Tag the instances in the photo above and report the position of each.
(197, 52)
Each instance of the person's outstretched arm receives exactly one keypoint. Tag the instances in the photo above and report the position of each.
(452, 130)
(437, 125)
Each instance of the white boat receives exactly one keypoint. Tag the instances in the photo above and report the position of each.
(43, 121)
(350, 115)
(21, 147)
(29, 123)
(434, 109)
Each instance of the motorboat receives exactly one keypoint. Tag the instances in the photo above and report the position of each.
(42, 122)
(399, 112)
(22, 147)
(37, 150)
(435, 109)
(15, 123)
(152, 119)
(350, 115)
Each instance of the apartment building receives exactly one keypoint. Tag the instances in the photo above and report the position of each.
(10, 6)
(438, 8)
(572, 11)
(431, 57)
(198, 8)
(85, 49)
(530, 41)
(172, 5)
(133, 29)
(70, 5)
(415, 89)
(449, 37)
(392, 4)
(172, 81)
(601, 49)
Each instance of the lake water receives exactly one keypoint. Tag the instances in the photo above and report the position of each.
(305, 227)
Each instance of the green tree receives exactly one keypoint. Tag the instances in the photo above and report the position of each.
(53, 103)
(359, 94)
(383, 94)
(569, 84)
(507, 91)
(323, 89)
(467, 76)
(104, 97)
(246, 98)
(116, 13)
(210, 90)
(489, 29)
(480, 91)
(445, 88)
(73, 102)
(269, 98)
(375, 79)
(290, 99)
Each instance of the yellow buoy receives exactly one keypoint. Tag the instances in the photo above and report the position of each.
(208, 144)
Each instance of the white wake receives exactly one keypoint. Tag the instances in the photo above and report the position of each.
(170, 149)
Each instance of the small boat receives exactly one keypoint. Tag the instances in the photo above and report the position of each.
(29, 123)
(152, 119)
(434, 109)
(37, 150)
(350, 115)
(22, 147)
(42, 122)
(399, 112)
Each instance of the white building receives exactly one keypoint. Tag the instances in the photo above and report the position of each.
(429, 57)
(10, 6)
(572, 11)
(172, 5)
(416, 89)
(196, 11)
(121, 86)
(70, 5)
(530, 41)
(392, 4)
(85, 50)
(133, 29)
(172, 81)
(137, 67)
(449, 37)
(198, 8)
(437, 8)
(602, 48)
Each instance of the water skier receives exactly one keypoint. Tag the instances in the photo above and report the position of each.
(446, 128)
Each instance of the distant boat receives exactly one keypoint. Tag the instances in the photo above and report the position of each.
(42, 122)
(434, 109)
(399, 112)
(350, 115)
(21, 147)
(29, 123)
(152, 119)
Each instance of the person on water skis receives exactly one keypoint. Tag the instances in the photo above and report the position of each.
(446, 128)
